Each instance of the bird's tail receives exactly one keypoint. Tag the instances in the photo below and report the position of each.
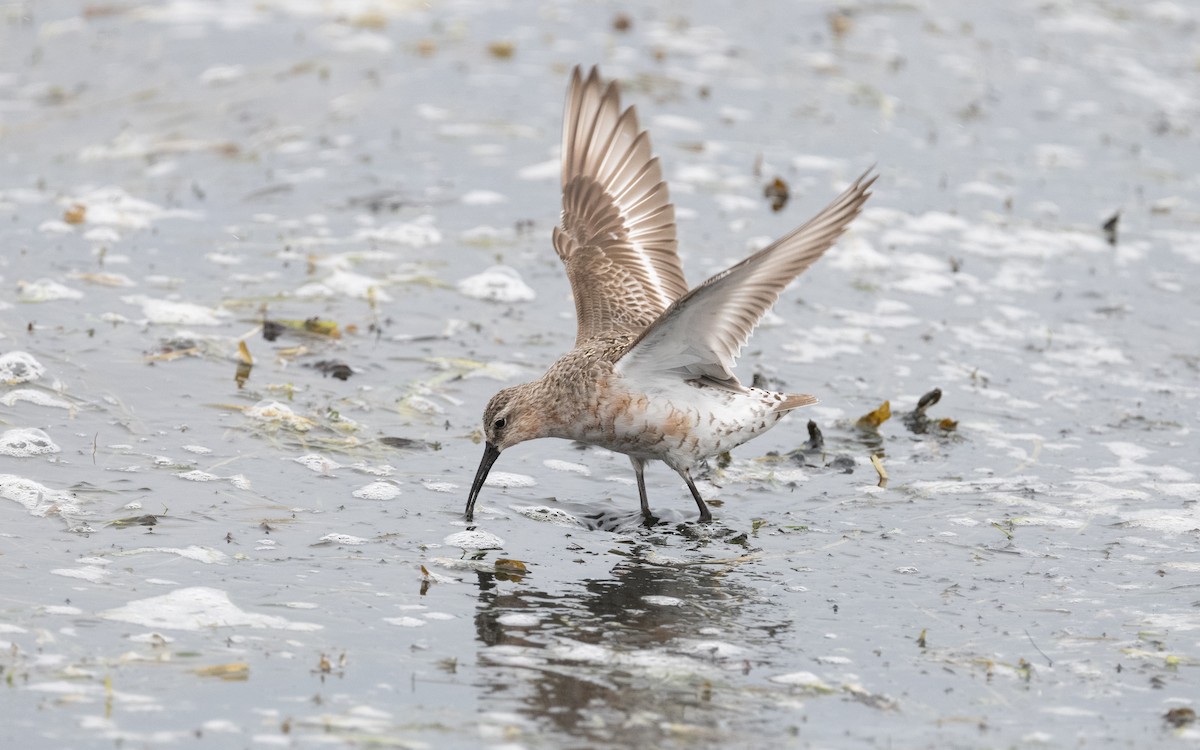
(795, 401)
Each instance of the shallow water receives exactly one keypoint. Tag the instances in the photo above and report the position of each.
(283, 562)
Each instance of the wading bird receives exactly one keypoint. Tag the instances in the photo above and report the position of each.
(651, 373)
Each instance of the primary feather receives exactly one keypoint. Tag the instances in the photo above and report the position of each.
(617, 215)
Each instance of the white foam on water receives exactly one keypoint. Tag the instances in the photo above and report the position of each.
(37, 498)
(377, 491)
(19, 367)
(318, 463)
(662, 601)
(474, 539)
(509, 480)
(347, 539)
(168, 312)
(278, 415)
(567, 466)
(45, 290)
(546, 514)
(197, 608)
(482, 198)
(497, 284)
(198, 476)
(198, 553)
(418, 233)
(24, 442)
(806, 680)
(90, 573)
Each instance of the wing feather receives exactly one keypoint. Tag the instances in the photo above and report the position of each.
(616, 206)
(702, 333)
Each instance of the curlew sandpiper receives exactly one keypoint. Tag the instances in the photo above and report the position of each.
(651, 374)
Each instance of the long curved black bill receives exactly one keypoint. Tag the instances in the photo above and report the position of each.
(490, 454)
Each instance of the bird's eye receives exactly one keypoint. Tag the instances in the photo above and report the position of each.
(499, 423)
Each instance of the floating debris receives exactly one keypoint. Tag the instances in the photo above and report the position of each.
(273, 329)
(841, 23)
(144, 520)
(844, 464)
(816, 441)
(878, 464)
(502, 50)
(76, 213)
(812, 448)
(335, 368)
(510, 570)
(1110, 228)
(928, 400)
(776, 192)
(238, 671)
(244, 366)
(404, 443)
(1180, 716)
(170, 350)
(917, 421)
(277, 415)
(871, 420)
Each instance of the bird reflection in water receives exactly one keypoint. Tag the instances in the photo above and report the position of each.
(620, 658)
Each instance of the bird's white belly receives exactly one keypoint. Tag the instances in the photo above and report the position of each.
(679, 425)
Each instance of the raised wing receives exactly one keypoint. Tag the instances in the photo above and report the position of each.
(701, 334)
(617, 237)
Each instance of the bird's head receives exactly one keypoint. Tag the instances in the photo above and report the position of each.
(512, 416)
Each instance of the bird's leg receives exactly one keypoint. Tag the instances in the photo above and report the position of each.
(705, 516)
(638, 467)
